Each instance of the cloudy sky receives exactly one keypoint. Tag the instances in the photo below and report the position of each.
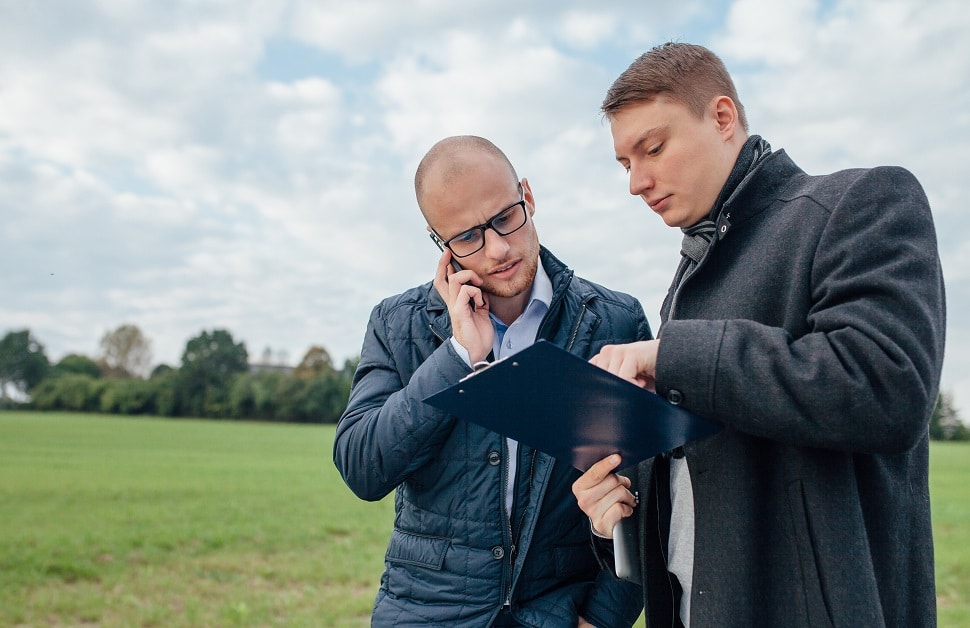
(193, 165)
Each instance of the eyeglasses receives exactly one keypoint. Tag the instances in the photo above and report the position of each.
(504, 223)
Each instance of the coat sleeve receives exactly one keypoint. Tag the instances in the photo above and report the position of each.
(613, 603)
(866, 375)
(387, 432)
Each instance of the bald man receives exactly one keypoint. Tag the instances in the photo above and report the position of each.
(486, 530)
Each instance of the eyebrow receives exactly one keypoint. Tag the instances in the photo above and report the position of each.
(645, 137)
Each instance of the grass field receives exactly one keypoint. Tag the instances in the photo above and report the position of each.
(117, 521)
(146, 522)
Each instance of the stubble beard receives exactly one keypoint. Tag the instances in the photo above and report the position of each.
(523, 279)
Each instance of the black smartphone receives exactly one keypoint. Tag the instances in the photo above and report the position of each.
(441, 245)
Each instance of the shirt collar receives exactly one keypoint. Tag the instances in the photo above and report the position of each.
(541, 287)
(540, 297)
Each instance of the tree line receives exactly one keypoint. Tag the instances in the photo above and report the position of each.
(213, 380)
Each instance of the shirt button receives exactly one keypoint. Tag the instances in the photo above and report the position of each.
(497, 552)
(494, 458)
(674, 396)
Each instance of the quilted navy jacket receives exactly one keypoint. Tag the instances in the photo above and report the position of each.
(453, 556)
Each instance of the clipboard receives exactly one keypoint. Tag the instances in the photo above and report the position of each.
(560, 404)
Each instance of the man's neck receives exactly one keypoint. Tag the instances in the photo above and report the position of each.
(507, 309)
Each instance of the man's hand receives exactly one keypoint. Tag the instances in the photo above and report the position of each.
(604, 496)
(635, 362)
(584, 624)
(472, 328)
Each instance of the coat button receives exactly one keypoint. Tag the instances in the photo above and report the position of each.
(494, 458)
(674, 396)
(497, 552)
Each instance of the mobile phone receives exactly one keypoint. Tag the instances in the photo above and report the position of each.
(626, 558)
(441, 245)
(454, 263)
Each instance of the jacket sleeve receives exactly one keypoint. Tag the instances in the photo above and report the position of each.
(613, 603)
(643, 325)
(866, 375)
(387, 432)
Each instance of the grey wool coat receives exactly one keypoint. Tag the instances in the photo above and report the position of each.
(453, 558)
(814, 331)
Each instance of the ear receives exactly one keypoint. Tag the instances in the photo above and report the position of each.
(725, 114)
(530, 201)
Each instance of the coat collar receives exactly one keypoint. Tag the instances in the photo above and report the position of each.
(775, 173)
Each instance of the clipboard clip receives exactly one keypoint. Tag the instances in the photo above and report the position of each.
(482, 366)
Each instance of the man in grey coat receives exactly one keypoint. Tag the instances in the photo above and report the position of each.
(486, 531)
(807, 315)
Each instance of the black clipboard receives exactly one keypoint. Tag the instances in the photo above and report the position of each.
(560, 404)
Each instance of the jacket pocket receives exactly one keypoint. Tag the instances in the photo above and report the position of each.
(812, 608)
(407, 548)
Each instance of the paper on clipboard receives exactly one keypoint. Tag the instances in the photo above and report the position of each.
(562, 405)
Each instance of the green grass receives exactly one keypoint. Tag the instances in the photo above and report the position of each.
(117, 521)
(147, 522)
(950, 502)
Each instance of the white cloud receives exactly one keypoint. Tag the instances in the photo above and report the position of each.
(587, 29)
(167, 178)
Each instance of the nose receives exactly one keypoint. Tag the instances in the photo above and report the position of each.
(641, 180)
(496, 246)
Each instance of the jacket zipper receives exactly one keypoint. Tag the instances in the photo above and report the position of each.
(513, 546)
(508, 521)
(575, 334)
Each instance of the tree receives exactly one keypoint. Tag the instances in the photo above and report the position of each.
(77, 364)
(160, 371)
(945, 423)
(126, 352)
(316, 362)
(23, 363)
(69, 391)
(350, 367)
(209, 364)
(128, 396)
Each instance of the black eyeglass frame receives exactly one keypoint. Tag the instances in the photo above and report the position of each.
(487, 225)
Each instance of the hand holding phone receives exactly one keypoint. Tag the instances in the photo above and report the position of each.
(454, 263)
(472, 328)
